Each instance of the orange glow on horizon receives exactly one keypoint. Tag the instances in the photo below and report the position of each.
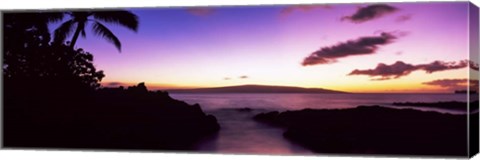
(270, 51)
(359, 88)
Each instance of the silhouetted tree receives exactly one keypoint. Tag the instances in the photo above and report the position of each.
(79, 20)
(23, 33)
(52, 97)
(32, 63)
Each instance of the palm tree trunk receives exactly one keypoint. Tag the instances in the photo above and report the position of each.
(80, 27)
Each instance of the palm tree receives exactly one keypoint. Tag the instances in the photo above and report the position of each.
(80, 19)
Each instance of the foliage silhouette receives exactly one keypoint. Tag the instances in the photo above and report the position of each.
(29, 56)
(53, 98)
(80, 19)
(22, 32)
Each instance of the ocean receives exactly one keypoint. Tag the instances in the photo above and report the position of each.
(286, 101)
(240, 134)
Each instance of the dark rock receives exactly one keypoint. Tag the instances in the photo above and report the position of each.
(267, 117)
(374, 130)
(212, 123)
(138, 89)
(452, 105)
(110, 118)
(244, 109)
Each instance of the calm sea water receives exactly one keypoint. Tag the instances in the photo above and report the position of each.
(300, 101)
(239, 134)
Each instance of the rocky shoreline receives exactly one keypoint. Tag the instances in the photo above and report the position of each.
(111, 118)
(451, 105)
(373, 130)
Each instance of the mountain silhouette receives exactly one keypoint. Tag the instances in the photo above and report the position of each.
(255, 89)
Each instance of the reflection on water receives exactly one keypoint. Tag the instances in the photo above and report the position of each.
(301, 101)
(241, 135)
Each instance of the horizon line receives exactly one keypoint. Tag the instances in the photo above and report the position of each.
(177, 87)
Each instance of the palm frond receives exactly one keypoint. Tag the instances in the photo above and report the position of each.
(82, 32)
(80, 16)
(53, 16)
(100, 30)
(84, 35)
(62, 32)
(124, 18)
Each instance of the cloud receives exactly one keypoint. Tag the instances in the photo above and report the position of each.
(114, 84)
(370, 12)
(396, 70)
(240, 77)
(473, 65)
(303, 8)
(400, 69)
(360, 46)
(404, 18)
(454, 84)
(200, 11)
(243, 77)
(441, 66)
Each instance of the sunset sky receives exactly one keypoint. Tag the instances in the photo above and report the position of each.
(336, 46)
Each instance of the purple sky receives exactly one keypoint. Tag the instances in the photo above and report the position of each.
(216, 46)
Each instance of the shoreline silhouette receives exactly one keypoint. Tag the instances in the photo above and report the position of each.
(112, 118)
(374, 130)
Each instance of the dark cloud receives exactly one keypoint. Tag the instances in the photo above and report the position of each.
(113, 84)
(399, 69)
(243, 77)
(473, 65)
(200, 11)
(240, 77)
(441, 66)
(386, 72)
(360, 46)
(304, 8)
(454, 84)
(403, 18)
(370, 12)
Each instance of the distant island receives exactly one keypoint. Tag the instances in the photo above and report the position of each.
(255, 89)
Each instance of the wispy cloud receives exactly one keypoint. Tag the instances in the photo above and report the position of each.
(454, 84)
(303, 8)
(370, 12)
(359, 46)
(239, 77)
(114, 84)
(400, 69)
(404, 18)
(385, 72)
(441, 66)
(200, 11)
(243, 77)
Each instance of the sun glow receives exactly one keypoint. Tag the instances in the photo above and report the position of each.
(215, 49)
